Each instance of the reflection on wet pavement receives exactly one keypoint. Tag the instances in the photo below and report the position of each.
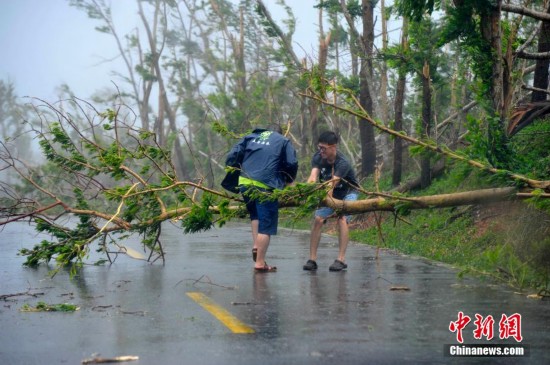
(385, 308)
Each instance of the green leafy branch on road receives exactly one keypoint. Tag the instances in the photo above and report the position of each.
(44, 307)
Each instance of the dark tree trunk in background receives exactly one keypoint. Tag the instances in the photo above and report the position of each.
(541, 69)
(399, 103)
(366, 130)
(425, 174)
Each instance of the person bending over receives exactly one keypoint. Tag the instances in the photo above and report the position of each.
(266, 161)
(329, 164)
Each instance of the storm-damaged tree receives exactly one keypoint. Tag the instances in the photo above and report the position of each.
(142, 60)
(365, 43)
(115, 179)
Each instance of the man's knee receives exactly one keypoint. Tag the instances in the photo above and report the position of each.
(318, 221)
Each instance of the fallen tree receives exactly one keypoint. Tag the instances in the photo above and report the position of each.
(112, 178)
(397, 204)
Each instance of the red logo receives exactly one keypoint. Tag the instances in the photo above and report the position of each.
(509, 326)
(459, 325)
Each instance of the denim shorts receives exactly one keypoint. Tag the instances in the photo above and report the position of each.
(325, 212)
(266, 212)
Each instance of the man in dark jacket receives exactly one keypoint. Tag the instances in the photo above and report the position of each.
(267, 161)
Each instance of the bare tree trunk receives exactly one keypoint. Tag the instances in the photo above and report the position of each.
(440, 201)
(490, 29)
(366, 131)
(425, 174)
(384, 109)
(384, 104)
(322, 64)
(541, 70)
(164, 103)
(399, 103)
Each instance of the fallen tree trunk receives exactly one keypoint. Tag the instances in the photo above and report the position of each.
(433, 201)
(437, 170)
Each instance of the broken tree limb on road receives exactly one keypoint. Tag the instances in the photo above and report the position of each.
(482, 196)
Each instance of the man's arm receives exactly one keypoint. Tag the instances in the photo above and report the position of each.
(235, 155)
(333, 182)
(290, 163)
(314, 175)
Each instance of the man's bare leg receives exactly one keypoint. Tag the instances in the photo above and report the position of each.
(261, 243)
(343, 238)
(315, 237)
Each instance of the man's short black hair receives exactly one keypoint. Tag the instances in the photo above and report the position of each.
(328, 137)
(275, 128)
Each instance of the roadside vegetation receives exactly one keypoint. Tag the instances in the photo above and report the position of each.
(508, 242)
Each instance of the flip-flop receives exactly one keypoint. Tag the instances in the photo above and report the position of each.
(266, 268)
(254, 254)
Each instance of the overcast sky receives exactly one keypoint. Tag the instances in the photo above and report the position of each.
(46, 43)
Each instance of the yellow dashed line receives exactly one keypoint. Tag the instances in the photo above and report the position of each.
(221, 314)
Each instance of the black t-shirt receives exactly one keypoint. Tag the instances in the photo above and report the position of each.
(341, 168)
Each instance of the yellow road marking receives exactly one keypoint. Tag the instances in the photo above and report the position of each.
(221, 314)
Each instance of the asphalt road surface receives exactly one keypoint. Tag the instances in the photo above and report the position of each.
(207, 306)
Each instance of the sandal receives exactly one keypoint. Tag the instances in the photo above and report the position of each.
(266, 268)
(310, 265)
(338, 266)
(254, 254)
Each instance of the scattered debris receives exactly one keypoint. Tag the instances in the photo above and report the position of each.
(403, 288)
(104, 360)
(28, 292)
(137, 313)
(120, 283)
(208, 281)
(100, 308)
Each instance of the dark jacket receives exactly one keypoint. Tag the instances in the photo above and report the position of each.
(265, 156)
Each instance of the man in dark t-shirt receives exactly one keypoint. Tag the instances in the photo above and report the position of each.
(328, 164)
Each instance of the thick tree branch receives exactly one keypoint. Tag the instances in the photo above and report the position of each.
(522, 10)
(440, 201)
(359, 112)
(533, 56)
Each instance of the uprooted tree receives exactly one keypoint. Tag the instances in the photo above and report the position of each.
(113, 178)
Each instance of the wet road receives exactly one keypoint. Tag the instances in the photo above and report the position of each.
(293, 317)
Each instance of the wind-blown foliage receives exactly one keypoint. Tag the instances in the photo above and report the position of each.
(197, 75)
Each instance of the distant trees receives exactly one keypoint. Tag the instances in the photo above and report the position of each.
(14, 117)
